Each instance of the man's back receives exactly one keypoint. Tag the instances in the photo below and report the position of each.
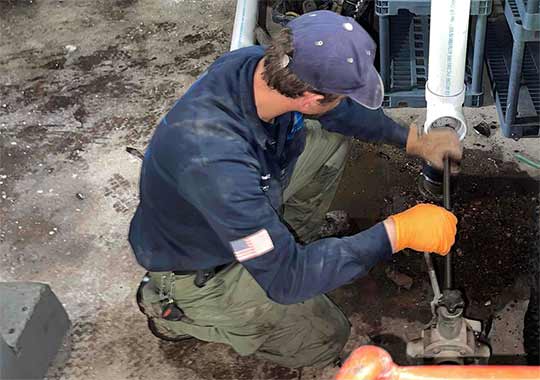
(169, 232)
(211, 121)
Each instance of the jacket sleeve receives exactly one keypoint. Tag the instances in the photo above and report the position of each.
(228, 194)
(352, 119)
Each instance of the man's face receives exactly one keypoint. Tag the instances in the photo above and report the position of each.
(315, 107)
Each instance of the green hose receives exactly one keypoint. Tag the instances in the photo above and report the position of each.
(528, 161)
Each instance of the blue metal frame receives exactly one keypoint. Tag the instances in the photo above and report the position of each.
(515, 76)
(423, 7)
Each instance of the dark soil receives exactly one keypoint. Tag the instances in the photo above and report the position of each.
(497, 208)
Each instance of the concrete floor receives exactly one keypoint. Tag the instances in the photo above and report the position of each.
(81, 81)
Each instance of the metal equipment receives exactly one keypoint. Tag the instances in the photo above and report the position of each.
(449, 338)
(284, 11)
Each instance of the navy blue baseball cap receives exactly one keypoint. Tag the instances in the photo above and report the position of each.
(335, 55)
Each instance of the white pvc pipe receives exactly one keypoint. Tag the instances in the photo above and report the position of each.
(245, 21)
(445, 88)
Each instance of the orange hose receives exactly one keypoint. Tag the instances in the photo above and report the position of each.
(374, 363)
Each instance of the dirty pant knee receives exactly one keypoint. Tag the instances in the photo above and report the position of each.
(342, 328)
(332, 348)
(319, 350)
(333, 330)
(314, 182)
(313, 334)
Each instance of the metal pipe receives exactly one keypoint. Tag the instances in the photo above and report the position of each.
(245, 21)
(446, 184)
(514, 82)
(449, 324)
(432, 276)
(374, 363)
(384, 51)
(478, 57)
(532, 6)
(448, 206)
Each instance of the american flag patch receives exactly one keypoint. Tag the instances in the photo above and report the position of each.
(252, 246)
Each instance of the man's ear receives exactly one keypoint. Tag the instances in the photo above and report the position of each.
(308, 100)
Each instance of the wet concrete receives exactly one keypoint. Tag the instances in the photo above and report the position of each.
(81, 81)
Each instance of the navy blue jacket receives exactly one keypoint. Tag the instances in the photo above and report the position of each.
(214, 174)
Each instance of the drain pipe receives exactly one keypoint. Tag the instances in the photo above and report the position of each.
(245, 22)
(445, 88)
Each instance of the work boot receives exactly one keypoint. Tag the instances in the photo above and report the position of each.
(156, 324)
(164, 333)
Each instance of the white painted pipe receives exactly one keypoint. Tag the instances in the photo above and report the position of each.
(445, 88)
(245, 21)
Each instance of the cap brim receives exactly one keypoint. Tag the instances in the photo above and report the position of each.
(371, 95)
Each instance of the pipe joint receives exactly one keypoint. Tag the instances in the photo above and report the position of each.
(445, 111)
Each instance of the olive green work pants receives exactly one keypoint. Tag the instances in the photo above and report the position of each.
(233, 309)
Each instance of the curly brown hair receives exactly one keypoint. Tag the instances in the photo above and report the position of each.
(281, 78)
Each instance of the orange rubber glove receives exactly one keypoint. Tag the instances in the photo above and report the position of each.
(424, 228)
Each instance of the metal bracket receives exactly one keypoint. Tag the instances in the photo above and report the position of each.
(463, 348)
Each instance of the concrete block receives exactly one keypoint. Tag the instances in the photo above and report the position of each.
(33, 324)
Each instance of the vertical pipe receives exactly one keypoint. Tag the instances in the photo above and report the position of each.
(449, 325)
(478, 57)
(448, 46)
(532, 6)
(445, 88)
(514, 82)
(384, 50)
(245, 21)
(446, 183)
(432, 276)
(448, 206)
